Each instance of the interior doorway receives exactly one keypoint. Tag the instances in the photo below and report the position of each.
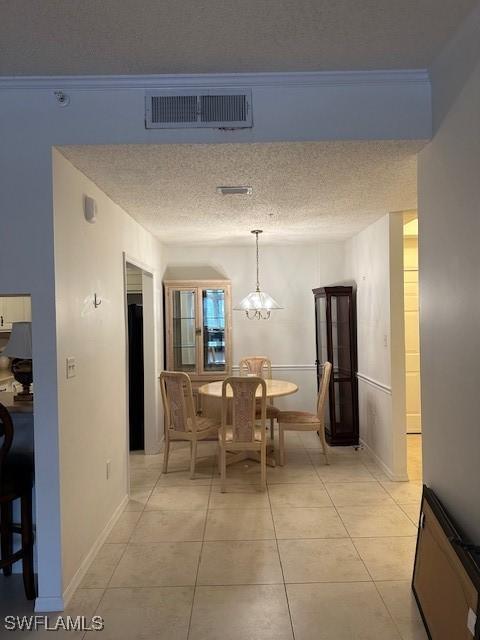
(136, 391)
(413, 411)
(142, 396)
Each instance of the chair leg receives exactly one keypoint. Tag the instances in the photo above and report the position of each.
(281, 444)
(263, 468)
(193, 458)
(219, 459)
(6, 534)
(27, 545)
(321, 433)
(272, 433)
(166, 452)
(223, 470)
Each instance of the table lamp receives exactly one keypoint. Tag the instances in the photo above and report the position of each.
(19, 348)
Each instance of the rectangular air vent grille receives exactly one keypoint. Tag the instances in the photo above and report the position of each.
(214, 108)
(223, 108)
(174, 109)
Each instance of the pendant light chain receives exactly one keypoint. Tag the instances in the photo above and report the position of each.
(258, 261)
(257, 304)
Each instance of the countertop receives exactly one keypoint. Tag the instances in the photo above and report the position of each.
(7, 400)
(5, 374)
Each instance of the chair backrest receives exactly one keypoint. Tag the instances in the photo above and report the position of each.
(257, 366)
(177, 397)
(244, 406)
(6, 433)
(323, 391)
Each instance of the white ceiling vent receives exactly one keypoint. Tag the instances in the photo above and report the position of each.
(210, 108)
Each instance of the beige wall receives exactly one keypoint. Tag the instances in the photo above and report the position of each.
(92, 405)
(412, 335)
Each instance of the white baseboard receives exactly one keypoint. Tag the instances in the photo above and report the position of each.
(46, 605)
(396, 477)
(87, 561)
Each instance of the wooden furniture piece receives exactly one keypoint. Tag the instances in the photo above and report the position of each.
(304, 421)
(181, 421)
(446, 576)
(16, 482)
(275, 389)
(261, 367)
(241, 434)
(336, 333)
(198, 329)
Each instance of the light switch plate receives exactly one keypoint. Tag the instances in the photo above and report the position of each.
(71, 367)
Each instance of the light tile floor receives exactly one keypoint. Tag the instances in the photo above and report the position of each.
(326, 553)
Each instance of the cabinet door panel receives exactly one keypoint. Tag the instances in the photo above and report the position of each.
(340, 315)
(184, 329)
(213, 331)
(344, 418)
(336, 342)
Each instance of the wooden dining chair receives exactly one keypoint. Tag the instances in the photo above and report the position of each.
(262, 367)
(16, 482)
(304, 421)
(181, 421)
(244, 431)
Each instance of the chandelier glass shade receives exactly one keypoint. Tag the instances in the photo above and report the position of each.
(257, 304)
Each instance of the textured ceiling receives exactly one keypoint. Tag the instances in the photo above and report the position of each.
(301, 191)
(48, 37)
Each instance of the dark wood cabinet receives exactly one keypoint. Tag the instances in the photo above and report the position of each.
(336, 333)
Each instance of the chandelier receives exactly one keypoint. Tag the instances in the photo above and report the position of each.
(257, 304)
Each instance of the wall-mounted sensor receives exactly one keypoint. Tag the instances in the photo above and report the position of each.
(62, 98)
(89, 209)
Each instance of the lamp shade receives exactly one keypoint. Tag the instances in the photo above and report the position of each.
(20, 343)
(257, 300)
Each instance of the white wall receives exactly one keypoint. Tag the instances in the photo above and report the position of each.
(449, 234)
(372, 260)
(92, 406)
(288, 273)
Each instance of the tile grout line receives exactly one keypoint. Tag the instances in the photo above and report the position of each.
(213, 486)
(365, 566)
(199, 561)
(102, 597)
(280, 558)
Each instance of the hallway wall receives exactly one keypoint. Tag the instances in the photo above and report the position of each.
(449, 233)
(374, 260)
(92, 405)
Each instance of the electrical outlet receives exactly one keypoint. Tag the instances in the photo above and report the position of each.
(108, 468)
(385, 339)
(71, 367)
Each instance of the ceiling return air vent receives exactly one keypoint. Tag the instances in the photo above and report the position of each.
(211, 108)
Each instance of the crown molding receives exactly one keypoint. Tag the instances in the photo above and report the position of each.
(314, 79)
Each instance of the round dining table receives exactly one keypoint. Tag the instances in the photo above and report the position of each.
(275, 389)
